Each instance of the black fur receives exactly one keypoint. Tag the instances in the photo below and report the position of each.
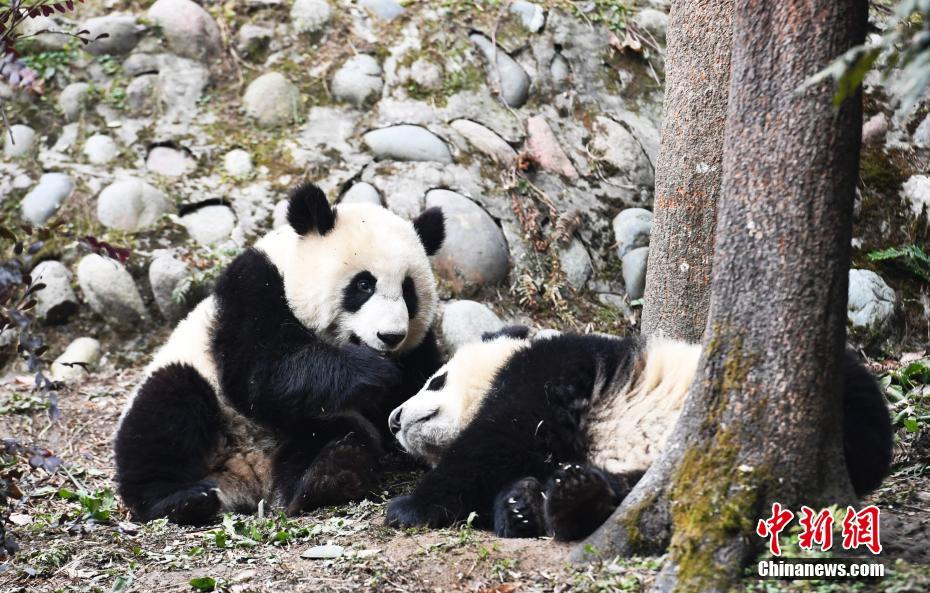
(437, 382)
(530, 429)
(309, 210)
(867, 435)
(410, 297)
(518, 332)
(357, 292)
(280, 375)
(431, 227)
(162, 466)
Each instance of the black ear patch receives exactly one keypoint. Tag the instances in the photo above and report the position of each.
(431, 226)
(519, 332)
(309, 210)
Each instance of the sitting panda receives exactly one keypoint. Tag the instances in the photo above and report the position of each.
(549, 435)
(275, 385)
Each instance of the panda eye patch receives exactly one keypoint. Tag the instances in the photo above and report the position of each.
(437, 383)
(357, 292)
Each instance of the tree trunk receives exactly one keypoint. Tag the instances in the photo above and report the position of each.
(761, 423)
(689, 169)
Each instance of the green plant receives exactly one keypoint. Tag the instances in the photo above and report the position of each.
(19, 403)
(908, 389)
(911, 257)
(904, 46)
(96, 506)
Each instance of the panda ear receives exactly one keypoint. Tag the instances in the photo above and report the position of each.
(518, 332)
(431, 226)
(309, 210)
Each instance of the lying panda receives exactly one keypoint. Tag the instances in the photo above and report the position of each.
(272, 388)
(549, 435)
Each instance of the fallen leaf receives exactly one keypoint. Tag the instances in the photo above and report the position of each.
(20, 519)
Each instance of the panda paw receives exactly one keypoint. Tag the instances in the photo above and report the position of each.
(198, 504)
(518, 510)
(579, 499)
(371, 370)
(407, 511)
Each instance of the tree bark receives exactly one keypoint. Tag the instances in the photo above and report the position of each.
(689, 169)
(761, 423)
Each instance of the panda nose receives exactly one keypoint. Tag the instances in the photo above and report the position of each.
(394, 420)
(391, 340)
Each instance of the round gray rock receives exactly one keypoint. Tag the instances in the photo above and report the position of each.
(532, 16)
(210, 224)
(361, 193)
(73, 99)
(386, 10)
(190, 30)
(310, 16)
(169, 161)
(407, 143)
(358, 80)
(632, 228)
(513, 81)
(18, 140)
(121, 30)
(79, 357)
(871, 301)
(41, 203)
(474, 253)
(916, 192)
(464, 322)
(653, 21)
(576, 264)
(130, 205)
(166, 274)
(55, 303)
(272, 100)
(634, 272)
(485, 141)
(100, 149)
(110, 290)
(426, 74)
(238, 163)
(142, 93)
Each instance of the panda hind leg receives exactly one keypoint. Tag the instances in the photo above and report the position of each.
(164, 445)
(580, 497)
(518, 510)
(343, 471)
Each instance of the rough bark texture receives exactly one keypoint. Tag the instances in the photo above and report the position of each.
(762, 421)
(689, 169)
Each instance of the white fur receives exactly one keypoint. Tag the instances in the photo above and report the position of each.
(366, 237)
(632, 421)
(469, 376)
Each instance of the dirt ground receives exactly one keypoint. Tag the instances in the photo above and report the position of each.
(74, 543)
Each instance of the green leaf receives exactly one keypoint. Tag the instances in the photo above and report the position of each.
(122, 583)
(203, 583)
(910, 424)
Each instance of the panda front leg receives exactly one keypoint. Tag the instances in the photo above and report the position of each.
(162, 466)
(579, 497)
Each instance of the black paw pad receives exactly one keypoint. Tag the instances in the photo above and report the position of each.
(518, 510)
(578, 499)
